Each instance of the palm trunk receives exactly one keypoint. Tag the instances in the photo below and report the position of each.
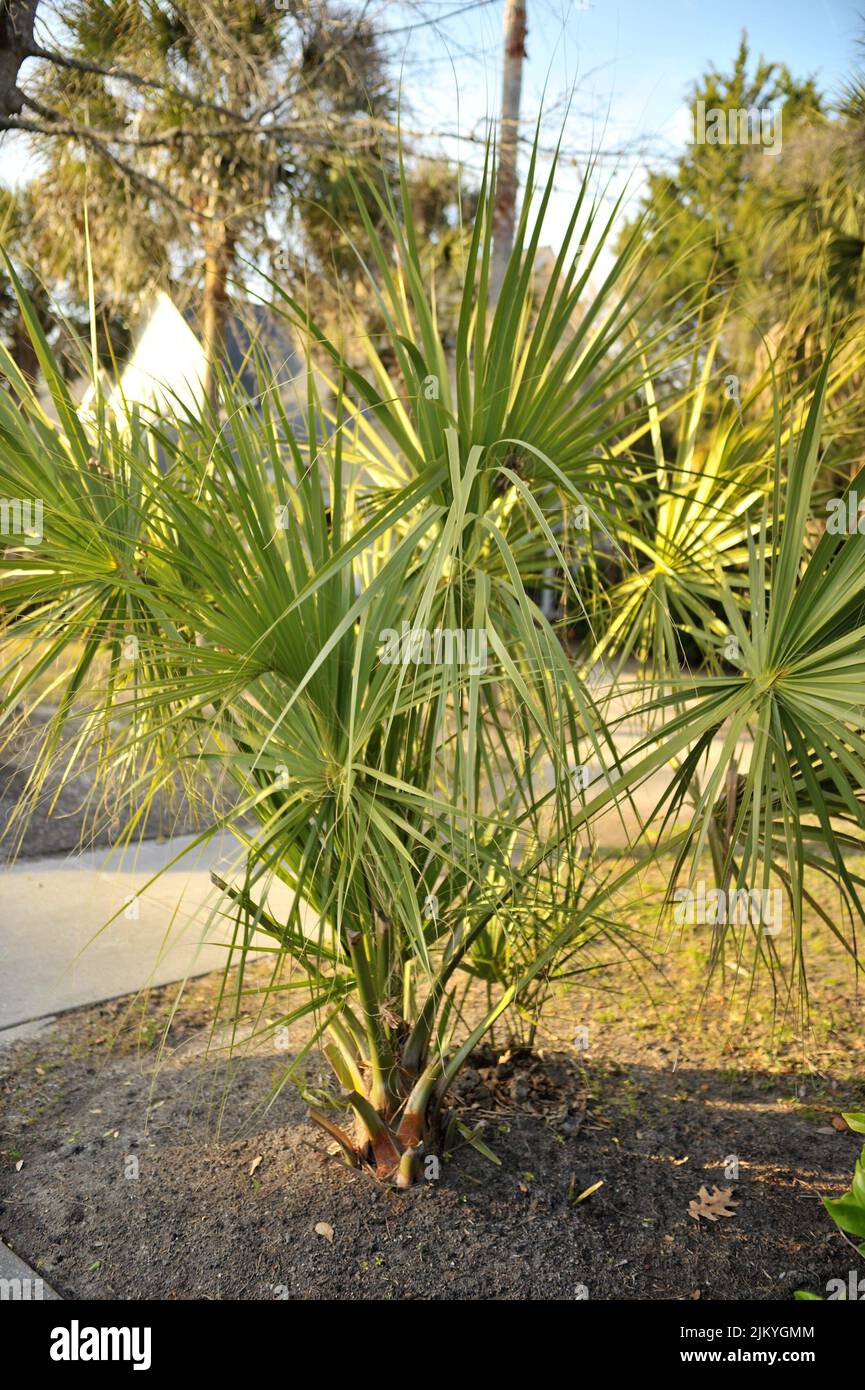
(218, 258)
(505, 208)
(23, 352)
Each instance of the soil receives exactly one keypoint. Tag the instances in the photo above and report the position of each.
(130, 1169)
(136, 1163)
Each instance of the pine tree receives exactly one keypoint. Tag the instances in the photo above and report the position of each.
(191, 129)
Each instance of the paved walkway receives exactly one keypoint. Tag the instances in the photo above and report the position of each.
(55, 957)
(20, 1283)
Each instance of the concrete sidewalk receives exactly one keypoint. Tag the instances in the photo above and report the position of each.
(53, 955)
(21, 1284)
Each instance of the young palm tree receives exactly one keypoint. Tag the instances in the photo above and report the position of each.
(342, 620)
(365, 663)
(791, 685)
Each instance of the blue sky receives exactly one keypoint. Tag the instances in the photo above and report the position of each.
(638, 55)
(628, 63)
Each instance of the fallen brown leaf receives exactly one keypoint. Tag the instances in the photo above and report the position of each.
(323, 1228)
(254, 1164)
(712, 1205)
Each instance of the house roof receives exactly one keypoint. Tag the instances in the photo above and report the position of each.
(166, 370)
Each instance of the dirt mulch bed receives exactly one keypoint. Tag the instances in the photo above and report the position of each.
(115, 1184)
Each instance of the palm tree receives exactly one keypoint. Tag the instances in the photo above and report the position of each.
(341, 619)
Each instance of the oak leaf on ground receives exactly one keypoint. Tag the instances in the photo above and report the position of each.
(712, 1204)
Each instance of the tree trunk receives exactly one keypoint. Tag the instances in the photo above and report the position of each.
(22, 351)
(505, 207)
(17, 18)
(218, 259)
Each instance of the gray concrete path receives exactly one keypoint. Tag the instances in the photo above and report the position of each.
(20, 1283)
(53, 955)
